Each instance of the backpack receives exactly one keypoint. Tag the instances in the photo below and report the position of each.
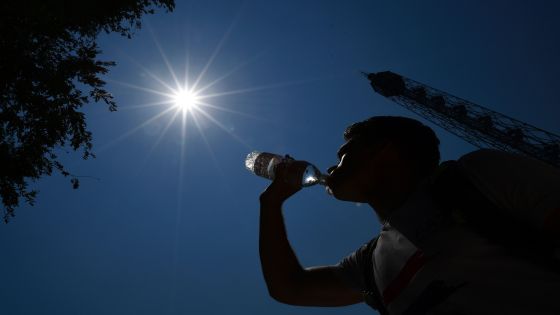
(465, 203)
(461, 200)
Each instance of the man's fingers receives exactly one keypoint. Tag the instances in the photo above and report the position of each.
(289, 172)
(287, 180)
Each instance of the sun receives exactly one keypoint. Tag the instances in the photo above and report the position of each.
(185, 100)
(188, 98)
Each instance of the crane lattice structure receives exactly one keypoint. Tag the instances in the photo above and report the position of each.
(476, 124)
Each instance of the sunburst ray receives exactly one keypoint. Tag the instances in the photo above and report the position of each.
(217, 49)
(134, 130)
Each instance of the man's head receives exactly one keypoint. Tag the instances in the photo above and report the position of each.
(383, 152)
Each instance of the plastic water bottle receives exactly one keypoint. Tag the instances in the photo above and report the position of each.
(263, 164)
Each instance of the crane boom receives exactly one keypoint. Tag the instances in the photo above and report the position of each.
(476, 124)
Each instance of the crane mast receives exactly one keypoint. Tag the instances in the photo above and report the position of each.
(476, 124)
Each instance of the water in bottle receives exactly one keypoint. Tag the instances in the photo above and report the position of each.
(263, 164)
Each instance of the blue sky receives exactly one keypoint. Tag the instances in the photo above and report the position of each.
(169, 222)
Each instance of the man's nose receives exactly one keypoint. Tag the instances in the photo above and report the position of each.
(331, 169)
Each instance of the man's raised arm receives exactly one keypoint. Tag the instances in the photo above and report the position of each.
(287, 281)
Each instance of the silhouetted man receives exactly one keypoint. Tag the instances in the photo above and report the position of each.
(433, 255)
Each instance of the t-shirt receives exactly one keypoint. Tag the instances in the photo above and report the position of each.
(443, 268)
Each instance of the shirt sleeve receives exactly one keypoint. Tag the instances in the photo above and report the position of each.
(527, 188)
(351, 268)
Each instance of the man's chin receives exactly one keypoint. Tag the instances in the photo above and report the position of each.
(339, 195)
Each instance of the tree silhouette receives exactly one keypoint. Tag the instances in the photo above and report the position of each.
(48, 71)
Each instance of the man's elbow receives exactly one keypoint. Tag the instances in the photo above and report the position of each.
(284, 294)
(281, 297)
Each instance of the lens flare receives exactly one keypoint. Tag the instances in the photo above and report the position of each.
(185, 100)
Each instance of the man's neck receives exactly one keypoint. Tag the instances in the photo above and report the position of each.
(393, 196)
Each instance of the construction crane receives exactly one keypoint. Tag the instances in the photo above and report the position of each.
(476, 124)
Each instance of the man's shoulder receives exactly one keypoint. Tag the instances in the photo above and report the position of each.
(492, 160)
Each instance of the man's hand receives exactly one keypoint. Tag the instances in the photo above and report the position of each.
(287, 182)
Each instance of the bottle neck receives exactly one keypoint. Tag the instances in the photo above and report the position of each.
(322, 179)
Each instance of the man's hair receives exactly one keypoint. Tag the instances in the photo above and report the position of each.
(415, 141)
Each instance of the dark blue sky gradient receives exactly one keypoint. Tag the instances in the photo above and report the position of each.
(166, 233)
